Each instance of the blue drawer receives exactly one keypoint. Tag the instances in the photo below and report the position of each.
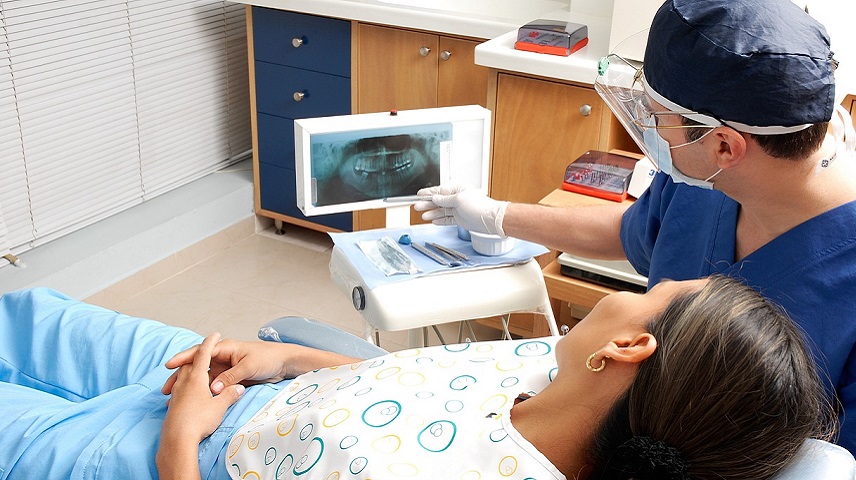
(278, 191)
(326, 42)
(325, 95)
(276, 141)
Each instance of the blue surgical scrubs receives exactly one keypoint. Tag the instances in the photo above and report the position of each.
(679, 232)
(80, 391)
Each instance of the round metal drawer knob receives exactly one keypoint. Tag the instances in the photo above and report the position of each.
(296, 42)
(445, 55)
(585, 110)
(424, 51)
(298, 96)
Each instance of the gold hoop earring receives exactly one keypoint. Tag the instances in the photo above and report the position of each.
(602, 363)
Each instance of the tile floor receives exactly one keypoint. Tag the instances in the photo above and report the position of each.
(237, 280)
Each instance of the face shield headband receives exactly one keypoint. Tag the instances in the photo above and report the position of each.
(621, 84)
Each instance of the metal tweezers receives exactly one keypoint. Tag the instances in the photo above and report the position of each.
(448, 251)
(433, 256)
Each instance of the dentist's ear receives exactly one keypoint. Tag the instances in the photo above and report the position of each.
(631, 350)
(730, 146)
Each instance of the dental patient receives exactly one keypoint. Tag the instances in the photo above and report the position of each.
(693, 380)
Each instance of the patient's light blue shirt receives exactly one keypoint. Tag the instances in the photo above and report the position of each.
(80, 391)
(80, 394)
(680, 232)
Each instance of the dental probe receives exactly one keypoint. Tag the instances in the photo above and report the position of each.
(409, 198)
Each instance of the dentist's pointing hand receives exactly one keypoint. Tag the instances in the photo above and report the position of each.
(469, 209)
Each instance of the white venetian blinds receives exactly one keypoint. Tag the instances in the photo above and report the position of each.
(12, 176)
(107, 103)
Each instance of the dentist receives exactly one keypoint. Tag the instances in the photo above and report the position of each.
(735, 104)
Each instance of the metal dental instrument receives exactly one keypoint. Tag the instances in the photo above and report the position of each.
(434, 256)
(451, 258)
(411, 198)
(450, 251)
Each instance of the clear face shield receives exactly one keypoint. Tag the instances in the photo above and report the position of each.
(621, 84)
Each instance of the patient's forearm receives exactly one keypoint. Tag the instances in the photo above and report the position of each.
(300, 359)
(178, 460)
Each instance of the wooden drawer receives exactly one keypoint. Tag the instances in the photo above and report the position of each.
(326, 95)
(278, 189)
(326, 42)
(276, 141)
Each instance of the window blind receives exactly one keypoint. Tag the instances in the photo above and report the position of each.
(109, 103)
(13, 193)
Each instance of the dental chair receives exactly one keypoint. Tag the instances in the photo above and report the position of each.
(816, 460)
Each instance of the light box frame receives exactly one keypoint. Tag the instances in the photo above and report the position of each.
(464, 160)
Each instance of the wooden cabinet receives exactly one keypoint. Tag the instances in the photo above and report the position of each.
(459, 80)
(404, 70)
(300, 66)
(541, 126)
(391, 71)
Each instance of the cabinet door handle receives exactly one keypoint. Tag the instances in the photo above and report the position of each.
(296, 42)
(585, 110)
(445, 55)
(298, 96)
(424, 51)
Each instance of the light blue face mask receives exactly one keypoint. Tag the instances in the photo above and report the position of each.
(660, 153)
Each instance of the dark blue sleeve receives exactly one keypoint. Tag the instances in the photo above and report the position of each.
(641, 223)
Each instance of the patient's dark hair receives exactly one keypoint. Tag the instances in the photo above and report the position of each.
(730, 393)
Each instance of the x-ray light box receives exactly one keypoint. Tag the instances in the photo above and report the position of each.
(357, 162)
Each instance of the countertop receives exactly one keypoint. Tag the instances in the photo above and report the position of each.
(480, 19)
(497, 21)
(581, 66)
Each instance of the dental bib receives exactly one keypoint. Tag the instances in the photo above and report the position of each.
(438, 412)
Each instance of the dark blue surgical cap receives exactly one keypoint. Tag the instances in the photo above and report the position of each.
(761, 63)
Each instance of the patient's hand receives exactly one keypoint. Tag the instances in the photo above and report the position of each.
(250, 363)
(234, 362)
(193, 409)
(193, 414)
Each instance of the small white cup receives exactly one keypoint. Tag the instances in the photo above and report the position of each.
(491, 245)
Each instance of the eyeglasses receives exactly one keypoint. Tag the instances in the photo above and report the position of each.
(621, 80)
(645, 116)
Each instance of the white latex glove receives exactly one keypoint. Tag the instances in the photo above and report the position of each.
(426, 205)
(470, 209)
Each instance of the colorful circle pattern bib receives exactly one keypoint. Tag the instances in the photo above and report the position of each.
(433, 413)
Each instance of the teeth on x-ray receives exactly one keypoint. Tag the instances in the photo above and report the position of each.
(378, 167)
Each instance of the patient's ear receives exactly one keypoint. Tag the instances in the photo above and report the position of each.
(631, 350)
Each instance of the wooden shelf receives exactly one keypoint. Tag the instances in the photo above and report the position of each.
(566, 289)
